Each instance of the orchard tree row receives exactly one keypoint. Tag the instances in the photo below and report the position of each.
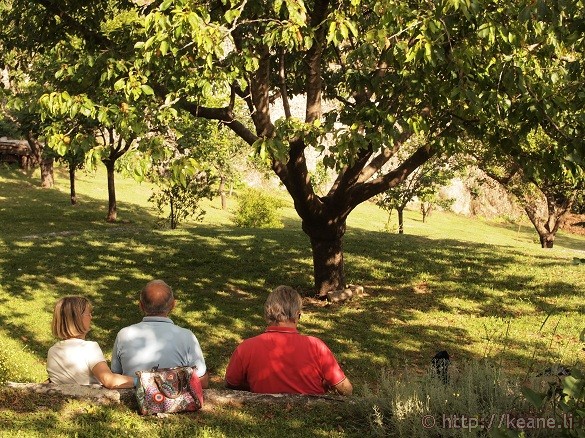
(388, 86)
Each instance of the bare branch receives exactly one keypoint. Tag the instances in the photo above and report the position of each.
(283, 92)
(313, 61)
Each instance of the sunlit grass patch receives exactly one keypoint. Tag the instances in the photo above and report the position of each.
(475, 288)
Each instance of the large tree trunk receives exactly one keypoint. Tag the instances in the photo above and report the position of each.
(72, 184)
(112, 211)
(547, 240)
(327, 246)
(328, 265)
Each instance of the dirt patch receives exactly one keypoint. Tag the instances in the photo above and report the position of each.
(575, 224)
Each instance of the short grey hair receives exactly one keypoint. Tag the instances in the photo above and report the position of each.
(157, 298)
(283, 304)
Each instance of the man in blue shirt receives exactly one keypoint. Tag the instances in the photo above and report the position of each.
(156, 341)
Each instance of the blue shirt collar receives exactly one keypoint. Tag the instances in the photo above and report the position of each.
(157, 319)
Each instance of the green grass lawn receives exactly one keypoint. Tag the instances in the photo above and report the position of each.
(472, 287)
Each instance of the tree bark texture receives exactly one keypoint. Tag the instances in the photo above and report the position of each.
(222, 192)
(327, 248)
(400, 220)
(548, 219)
(112, 208)
(38, 158)
(72, 191)
(328, 265)
(47, 178)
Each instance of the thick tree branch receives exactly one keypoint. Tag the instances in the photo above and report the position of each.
(260, 90)
(282, 77)
(350, 174)
(313, 61)
(221, 114)
(365, 191)
(503, 179)
(382, 158)
(298, 181)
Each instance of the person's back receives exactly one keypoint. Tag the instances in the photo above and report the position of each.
(281, 360)
(73, 360)
(156, 341)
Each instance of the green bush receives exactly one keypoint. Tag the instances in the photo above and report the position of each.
(257, 210)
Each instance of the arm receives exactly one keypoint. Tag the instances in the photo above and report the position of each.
(204, 380)
(242, 387)
(197, 360)
(235, 377)
(344, 387)
(116, 364)
(111, 380)
(332, 372)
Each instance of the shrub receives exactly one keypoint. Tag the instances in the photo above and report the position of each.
(409, 405)
(257, 210)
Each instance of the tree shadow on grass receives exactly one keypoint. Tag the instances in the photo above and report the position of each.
(229, 421)
(222, 275)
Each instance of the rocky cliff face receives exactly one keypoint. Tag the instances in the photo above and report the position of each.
(478, 195)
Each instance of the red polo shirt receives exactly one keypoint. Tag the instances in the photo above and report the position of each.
(281, 360)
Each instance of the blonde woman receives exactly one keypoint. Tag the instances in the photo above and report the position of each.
(73, 359)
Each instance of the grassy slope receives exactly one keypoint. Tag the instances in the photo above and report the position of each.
(472, 287)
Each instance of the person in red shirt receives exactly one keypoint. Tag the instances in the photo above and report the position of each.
(281, 360)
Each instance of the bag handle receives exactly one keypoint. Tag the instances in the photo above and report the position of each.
(182, 384)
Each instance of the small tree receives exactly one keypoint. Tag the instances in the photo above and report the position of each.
(182, 201)
(433, 199)
(537, 174)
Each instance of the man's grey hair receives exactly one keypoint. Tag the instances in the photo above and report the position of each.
(157, 298)
(283, 304)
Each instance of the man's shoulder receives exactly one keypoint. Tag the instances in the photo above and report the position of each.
(130, 327)
(313, 340)
(160, 325)
(253, 339)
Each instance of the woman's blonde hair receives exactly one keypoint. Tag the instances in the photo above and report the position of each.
(67, 317)
(283, 304)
